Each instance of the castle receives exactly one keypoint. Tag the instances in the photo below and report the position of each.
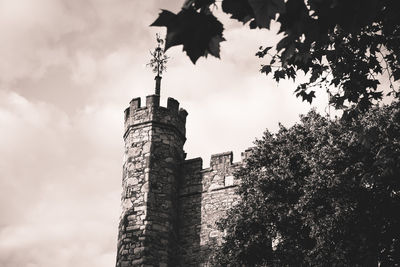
(169, 204)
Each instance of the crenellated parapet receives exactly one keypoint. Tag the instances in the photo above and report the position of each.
(218, 175)
(152, 113)
(170, 206)
(204, 197)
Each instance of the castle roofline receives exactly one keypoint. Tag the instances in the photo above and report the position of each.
(152, 113)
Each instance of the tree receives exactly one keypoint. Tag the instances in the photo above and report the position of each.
(343, 45)
(320, 193)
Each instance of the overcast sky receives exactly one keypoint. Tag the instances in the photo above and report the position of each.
(68, 70)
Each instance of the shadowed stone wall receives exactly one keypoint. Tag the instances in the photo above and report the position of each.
(170, 205)
(204, 197)
(154, 138)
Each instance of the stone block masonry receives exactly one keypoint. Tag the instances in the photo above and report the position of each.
(169, 205)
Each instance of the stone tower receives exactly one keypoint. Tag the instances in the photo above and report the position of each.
(154, 138)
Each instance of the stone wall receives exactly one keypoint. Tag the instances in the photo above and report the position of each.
(204, 197)
(154, 138)
(170, 205)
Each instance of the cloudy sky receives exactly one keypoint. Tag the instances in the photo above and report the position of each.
(68, 69)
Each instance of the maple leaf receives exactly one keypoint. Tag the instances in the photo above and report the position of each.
(266, 69)
(306, 96)
(199, 33)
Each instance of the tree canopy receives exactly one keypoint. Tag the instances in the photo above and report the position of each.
(342, 45)
(320, 193)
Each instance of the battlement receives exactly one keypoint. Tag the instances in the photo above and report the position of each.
(152, 112)
(247, 153)
(218, 160)
(205, 195)
(170, 206)
(196, 179)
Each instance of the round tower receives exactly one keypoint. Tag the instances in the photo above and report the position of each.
(154, 138)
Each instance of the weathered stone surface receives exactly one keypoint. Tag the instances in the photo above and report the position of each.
(154, 138)
(199, 210)
(170, 205)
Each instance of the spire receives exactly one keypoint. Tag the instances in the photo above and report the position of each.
(158, 62)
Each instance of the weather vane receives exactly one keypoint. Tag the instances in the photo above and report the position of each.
(158, 62)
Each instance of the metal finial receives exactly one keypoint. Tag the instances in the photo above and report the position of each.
(158, 62)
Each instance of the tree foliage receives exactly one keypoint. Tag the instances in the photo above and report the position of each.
(320, 193)
(345, 44)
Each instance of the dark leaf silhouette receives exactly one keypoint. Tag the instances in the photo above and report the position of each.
(199, 33)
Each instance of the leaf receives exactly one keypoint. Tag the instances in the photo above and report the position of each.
(164, 18)
(295, 17)
(301, 86)
(199, 33)
(287, 54)
(267, 49)
(213, 46)
(306, 96)
(266, 69)
(197, 4)
(239, 10)
(175, 33)
(265, 11)
(283, 43)
(263, 52)
(311, 95)
(291, 73)
(279, 74)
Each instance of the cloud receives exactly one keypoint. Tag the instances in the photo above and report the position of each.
(28, 30)
(58, 177)
(26, 130)
(67, 40)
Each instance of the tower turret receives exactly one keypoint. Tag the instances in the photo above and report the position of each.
(154, 138)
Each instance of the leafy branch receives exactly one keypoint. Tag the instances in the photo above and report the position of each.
(343, 39)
